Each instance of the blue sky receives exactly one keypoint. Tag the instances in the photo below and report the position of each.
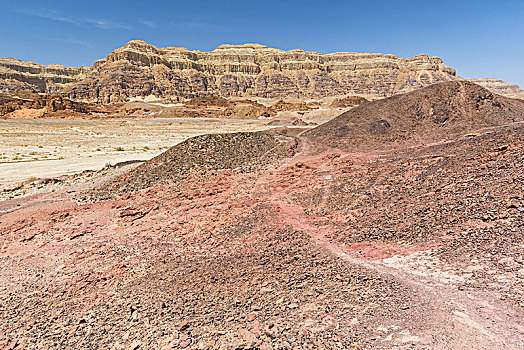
(478, 38)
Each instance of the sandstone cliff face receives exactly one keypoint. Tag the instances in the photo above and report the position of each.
(499, 87)
(140, 69)
(29, 76)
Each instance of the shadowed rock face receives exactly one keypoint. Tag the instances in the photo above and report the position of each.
(432, 114)
(140, 69)
(48, 104)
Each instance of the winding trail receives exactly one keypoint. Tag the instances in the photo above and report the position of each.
(475, 320)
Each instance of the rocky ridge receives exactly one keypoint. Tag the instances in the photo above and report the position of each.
(140, 69)
(429, 115)
(46, 105)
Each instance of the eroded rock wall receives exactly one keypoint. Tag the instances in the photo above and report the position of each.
(499, 87)
(140, 69)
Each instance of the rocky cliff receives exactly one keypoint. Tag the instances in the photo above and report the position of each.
(499, 87)
(19, 75)
(46, 105)
(140, 69)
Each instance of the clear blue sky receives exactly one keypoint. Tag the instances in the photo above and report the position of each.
(478, 38)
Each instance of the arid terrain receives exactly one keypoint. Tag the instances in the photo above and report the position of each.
(60, 143)
(396, 225)
(51, 147)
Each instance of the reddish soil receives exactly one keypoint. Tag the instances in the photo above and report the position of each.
(419, 247)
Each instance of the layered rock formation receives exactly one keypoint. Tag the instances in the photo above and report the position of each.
(18, 75)
(499, 87)
(140, 69)
(45, 105)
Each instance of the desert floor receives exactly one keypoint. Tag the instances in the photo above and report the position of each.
(43, 148)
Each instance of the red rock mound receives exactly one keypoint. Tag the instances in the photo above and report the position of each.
(432, 114)
(203, 155)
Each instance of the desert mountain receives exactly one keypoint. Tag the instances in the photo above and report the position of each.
(431, 114)
(140, 69)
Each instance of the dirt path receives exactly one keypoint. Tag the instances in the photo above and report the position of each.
(476, 320)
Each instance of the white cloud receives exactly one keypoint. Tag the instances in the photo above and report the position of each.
(94, 22)
(107, 24)
(150, 24)
(54, 16)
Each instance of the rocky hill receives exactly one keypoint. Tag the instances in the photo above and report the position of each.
(140, 69)
(428, 115)
(243, 152)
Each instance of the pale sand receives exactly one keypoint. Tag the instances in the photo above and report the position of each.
(43, 148)
(49, 148)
